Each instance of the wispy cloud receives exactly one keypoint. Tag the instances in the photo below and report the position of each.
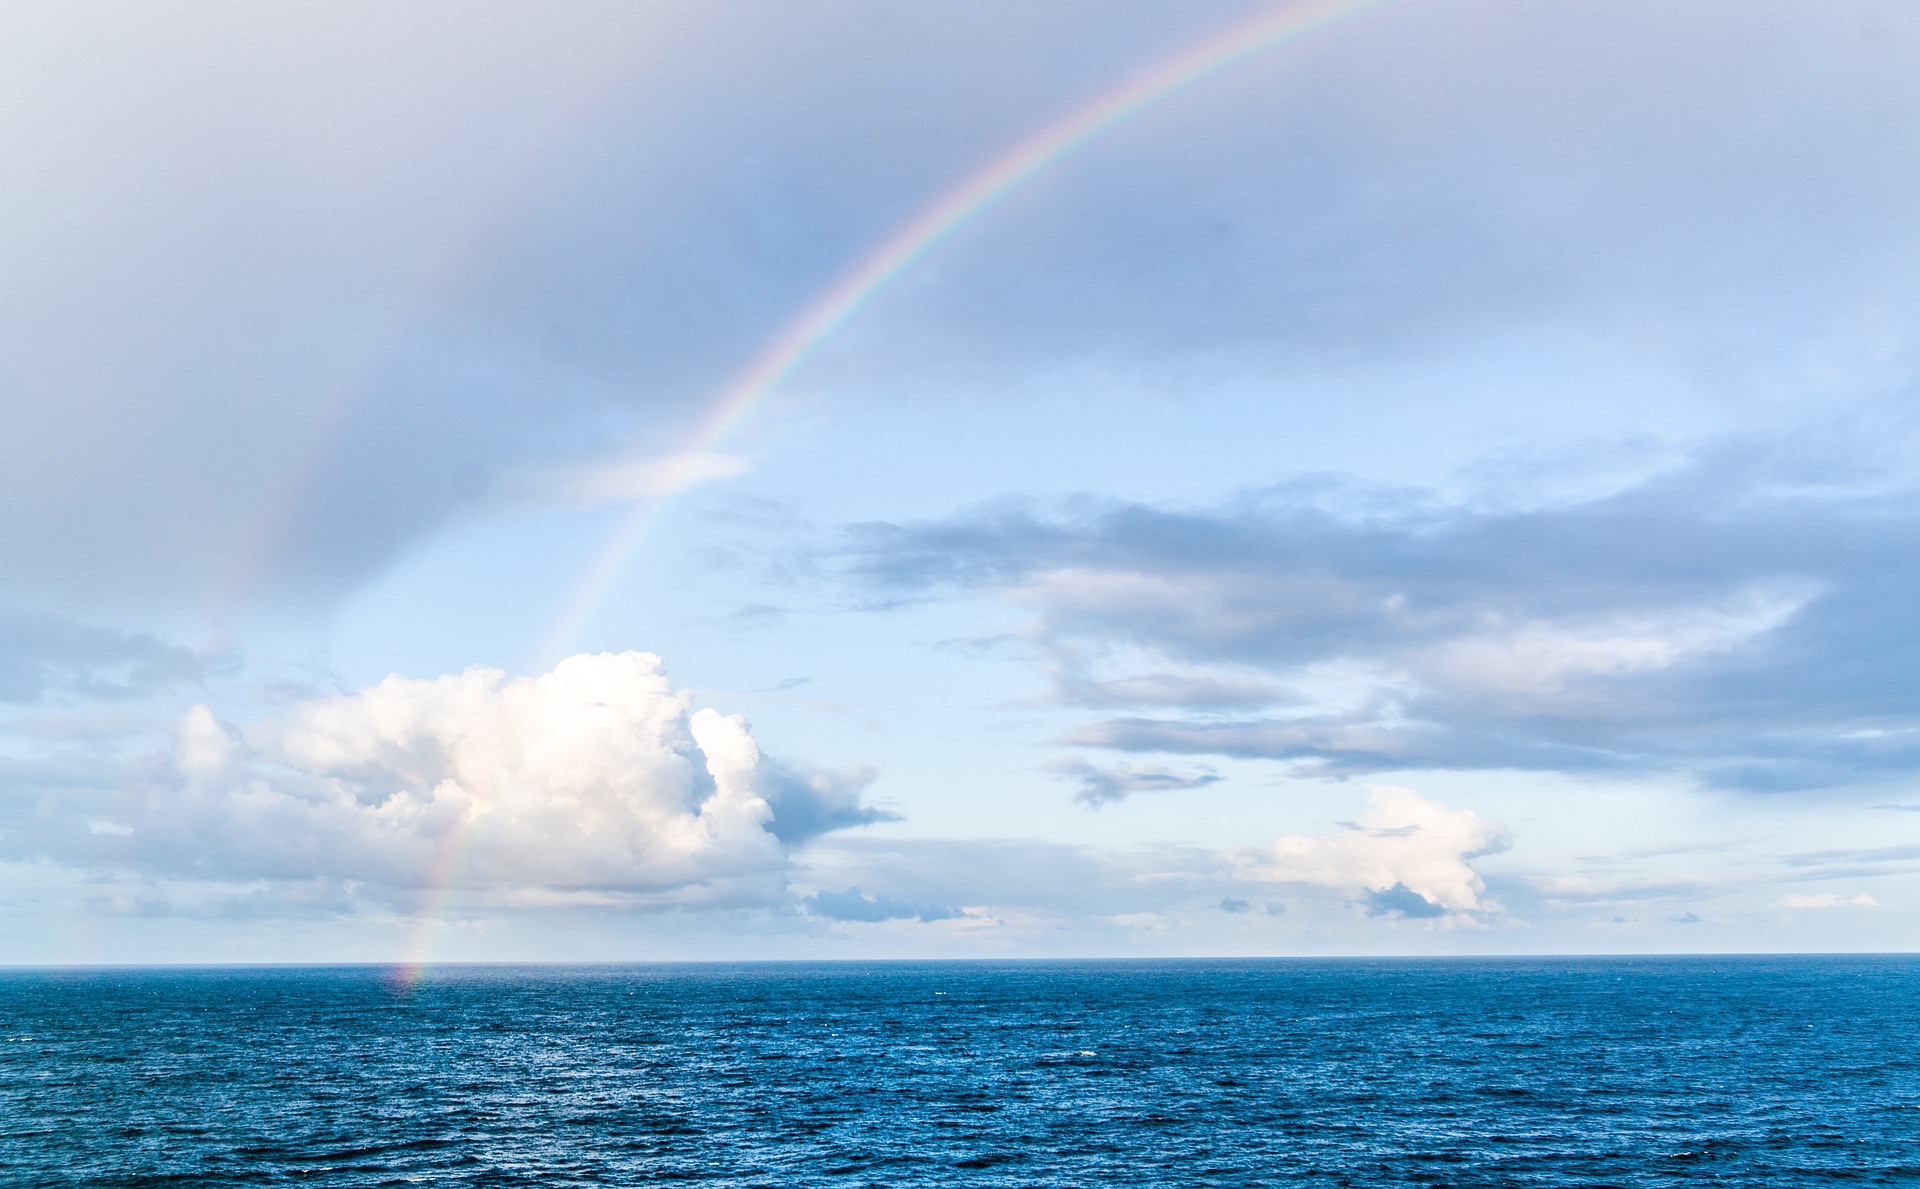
(1825, 900)
(1104, 785)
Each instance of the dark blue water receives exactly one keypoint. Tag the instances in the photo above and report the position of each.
(1722, 1071)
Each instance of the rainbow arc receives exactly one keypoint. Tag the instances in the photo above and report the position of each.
(935, 223)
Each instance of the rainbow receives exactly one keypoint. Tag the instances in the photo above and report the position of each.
(934, 224)
(828, 312)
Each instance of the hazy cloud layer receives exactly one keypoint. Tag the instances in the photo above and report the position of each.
(288, 290)
(1747, 619)
(1633, 173)
(855, 905)
(593, 778)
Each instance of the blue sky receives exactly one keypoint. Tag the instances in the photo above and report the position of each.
(1444, 484)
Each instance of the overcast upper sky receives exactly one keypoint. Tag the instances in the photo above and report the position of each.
(1444, 483)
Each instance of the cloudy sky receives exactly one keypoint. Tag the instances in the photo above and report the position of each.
(1442, 480)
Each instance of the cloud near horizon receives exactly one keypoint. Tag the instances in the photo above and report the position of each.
(1406, 855)
(596, 777)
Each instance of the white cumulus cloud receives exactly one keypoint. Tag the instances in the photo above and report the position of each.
(597, 776)
(1406, 855)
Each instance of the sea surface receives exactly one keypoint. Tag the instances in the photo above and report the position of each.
(1514, 1072)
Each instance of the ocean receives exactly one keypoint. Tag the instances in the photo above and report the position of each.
(1762, 1071)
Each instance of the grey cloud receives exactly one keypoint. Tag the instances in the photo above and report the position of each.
(1101, 786)
(1349, 743)
(1637, 172)
(44, 655)
(1746, 618)
(1221, 691)
(810, 802)
(1402, 901)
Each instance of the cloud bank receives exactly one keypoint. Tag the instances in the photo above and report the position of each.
(1745, 619)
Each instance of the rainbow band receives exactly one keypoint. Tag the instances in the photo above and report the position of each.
(925, 231)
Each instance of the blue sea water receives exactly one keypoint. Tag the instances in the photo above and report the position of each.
(1588, 1072)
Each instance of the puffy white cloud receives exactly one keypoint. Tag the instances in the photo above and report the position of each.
(597, 776)
(1406, 855)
